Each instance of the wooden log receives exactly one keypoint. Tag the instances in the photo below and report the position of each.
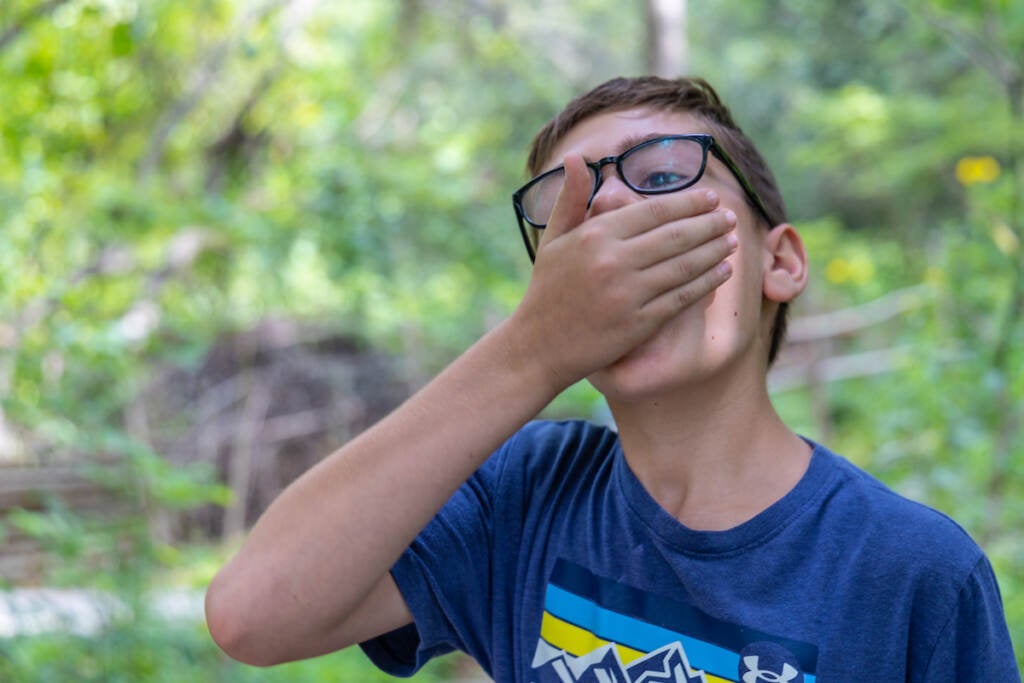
(38, 489)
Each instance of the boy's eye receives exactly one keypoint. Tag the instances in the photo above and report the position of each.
(658, 180)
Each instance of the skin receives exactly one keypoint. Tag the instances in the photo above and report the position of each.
(663, 302)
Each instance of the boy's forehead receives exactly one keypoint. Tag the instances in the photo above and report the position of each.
(612, 132)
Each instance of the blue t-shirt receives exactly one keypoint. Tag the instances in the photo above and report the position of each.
(553, 564)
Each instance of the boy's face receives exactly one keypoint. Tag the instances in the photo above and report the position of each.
(725, 334)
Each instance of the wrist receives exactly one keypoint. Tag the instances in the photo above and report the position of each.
(526, 356)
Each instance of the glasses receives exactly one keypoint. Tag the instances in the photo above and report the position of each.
(664, 164)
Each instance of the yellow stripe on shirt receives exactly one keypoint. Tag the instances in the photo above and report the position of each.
(578, 641)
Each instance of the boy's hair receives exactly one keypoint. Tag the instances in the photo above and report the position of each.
(693, 96)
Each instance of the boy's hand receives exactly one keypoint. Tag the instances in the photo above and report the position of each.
(602, 286)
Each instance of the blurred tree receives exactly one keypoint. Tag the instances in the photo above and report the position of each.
(170, 171)
(667, 43)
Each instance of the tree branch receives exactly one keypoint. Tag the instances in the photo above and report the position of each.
(856, 318)
(240, 465)
(983, 52)
(202, 80)
(849, 366)
(39, 11)
(236, 141)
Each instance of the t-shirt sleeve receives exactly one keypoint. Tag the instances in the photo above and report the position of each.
(445, 578)
(974, 644)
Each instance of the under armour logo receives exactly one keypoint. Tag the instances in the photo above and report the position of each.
(755, 674)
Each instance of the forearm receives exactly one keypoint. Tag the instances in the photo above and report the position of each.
(329, 538)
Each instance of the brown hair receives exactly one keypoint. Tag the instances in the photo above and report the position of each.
(693, 96)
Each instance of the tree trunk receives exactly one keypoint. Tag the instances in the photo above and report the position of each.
(667, 45)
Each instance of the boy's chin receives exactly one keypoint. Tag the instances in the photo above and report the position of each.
(669, 368)
(635, 379)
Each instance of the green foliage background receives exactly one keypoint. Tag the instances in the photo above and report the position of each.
(170, 171)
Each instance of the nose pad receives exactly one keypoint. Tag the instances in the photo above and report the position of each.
(610, 195)
(597, 188)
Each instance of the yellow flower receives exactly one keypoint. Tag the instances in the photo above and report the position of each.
(971, 170)
(838, 271)
(861, 269)
(856, 270)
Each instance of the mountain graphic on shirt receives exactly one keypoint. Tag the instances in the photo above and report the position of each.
(667, 665)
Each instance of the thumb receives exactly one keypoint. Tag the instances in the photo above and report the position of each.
(571, 204)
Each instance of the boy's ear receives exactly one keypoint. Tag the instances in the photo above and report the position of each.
(785, 274)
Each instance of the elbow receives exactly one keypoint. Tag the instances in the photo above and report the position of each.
(236, 630)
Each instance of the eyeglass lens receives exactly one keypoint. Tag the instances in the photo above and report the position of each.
(660, 166)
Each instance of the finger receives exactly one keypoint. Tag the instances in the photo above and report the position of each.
(671, 302)
(684, 268)
(640, 217)
(571, 205)
(678, 237)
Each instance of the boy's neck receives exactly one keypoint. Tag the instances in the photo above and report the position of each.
(713, 458)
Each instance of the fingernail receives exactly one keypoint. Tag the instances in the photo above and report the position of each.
(730, 217)
(732, 240)
(725, 268)
(712, 196)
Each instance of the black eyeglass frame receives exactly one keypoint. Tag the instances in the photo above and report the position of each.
(707, 142)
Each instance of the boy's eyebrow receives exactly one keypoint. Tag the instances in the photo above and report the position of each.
(633, 140)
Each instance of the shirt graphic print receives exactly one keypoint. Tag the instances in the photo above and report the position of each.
(595, 630)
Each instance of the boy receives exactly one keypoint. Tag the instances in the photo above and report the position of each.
(703, 542)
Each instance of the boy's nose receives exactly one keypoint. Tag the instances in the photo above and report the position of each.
(612, 193)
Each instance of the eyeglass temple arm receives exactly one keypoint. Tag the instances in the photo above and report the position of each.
(717, 150)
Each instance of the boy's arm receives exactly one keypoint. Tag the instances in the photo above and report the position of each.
(313, 575)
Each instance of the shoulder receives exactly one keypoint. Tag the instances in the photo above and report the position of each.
(898, 532)
(553, 450)
(564, 437)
